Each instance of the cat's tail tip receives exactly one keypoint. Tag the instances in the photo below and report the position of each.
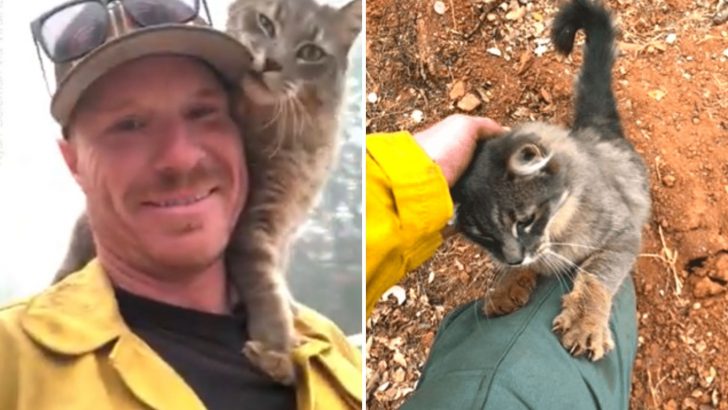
(575, 15)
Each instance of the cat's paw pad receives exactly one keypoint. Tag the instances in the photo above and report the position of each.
(277, 364)
(583, 335)
(506, 299)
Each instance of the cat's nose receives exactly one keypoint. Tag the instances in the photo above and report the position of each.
(271, 65)
(514, 260)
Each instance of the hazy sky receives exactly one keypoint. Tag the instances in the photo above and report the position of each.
(39, 202)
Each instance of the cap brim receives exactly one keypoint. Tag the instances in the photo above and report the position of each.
(221, 51)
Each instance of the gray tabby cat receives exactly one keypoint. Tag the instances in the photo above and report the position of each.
(292, 101)
(547, 200)
(289, 108)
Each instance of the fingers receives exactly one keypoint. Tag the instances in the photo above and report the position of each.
(487, 128)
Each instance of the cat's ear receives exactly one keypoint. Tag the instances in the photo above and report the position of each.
(528, 160)
(349, 21)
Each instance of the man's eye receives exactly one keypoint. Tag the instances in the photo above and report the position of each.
(128, 125)
(202, 112)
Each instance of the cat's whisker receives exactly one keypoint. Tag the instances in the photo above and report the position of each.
(569, 262)
(280, 136)
(273, 120)
(557, 271)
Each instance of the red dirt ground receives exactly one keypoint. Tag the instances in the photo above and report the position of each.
(672, 95)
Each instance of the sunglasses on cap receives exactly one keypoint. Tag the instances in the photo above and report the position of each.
(73, 29)
(85, 39)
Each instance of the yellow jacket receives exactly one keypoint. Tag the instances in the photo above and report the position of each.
(408, 204)
(68, 348)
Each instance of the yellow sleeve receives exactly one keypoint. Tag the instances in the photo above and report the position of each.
(408, 204)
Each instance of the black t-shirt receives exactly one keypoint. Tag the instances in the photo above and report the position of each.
(206, 351)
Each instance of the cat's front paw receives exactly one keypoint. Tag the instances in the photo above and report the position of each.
(512, 294)
(277, 364)
(583, 332)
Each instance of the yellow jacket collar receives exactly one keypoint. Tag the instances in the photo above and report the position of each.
(77, 315)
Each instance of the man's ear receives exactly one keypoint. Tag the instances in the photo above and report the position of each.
(69, 151)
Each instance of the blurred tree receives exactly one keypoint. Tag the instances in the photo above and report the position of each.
(326, 262)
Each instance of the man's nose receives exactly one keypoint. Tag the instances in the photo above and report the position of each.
(179, 148)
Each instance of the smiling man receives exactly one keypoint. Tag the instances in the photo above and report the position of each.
(149, 136)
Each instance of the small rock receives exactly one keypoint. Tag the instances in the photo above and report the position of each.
(689, 404)
(469, 102)
(706, 287)
(657, 94)
(440, 7)
(417, 116)
(399, 375)
(670, 405)
(457, 90)
(670, 39)
(669, 180)
(494, 51)
(516, 14)
(725, 53)
(697, 393)
(491, 17)
(372, 97)
(700, 346)
(721, 268)
(540, 50)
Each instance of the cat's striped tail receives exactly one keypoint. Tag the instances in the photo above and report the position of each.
(595, 102)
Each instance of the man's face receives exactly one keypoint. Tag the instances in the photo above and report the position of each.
(155, 150)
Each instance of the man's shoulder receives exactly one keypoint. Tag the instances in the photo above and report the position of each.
(313, 325)
(11, 311)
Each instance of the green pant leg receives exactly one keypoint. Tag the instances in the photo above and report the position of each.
(517, 362)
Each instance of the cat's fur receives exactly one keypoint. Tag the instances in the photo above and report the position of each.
(295, 124)
(549, 200)
(289, 110)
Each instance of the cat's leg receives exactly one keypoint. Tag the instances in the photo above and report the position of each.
(509, 293)
(256, 261)
(584, 319)
(80, 251)
(254, 269)
(583, 323)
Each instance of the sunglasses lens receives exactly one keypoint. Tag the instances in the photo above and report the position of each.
(153, 12)
(74, 31)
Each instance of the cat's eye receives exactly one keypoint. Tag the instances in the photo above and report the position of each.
(266, 25)
(310, 53)
(526, 222)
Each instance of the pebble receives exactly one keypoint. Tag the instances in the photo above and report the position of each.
(372, 97)
(440, 7)
(689, 404)
(670, 39)
(706, 287)
(669, 180)
(469, 102)
(457, 90)
(494, 51)
(417, 116)
(725, 53)
(721, 268)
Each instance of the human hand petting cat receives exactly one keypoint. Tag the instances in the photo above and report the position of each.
(451, 142)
